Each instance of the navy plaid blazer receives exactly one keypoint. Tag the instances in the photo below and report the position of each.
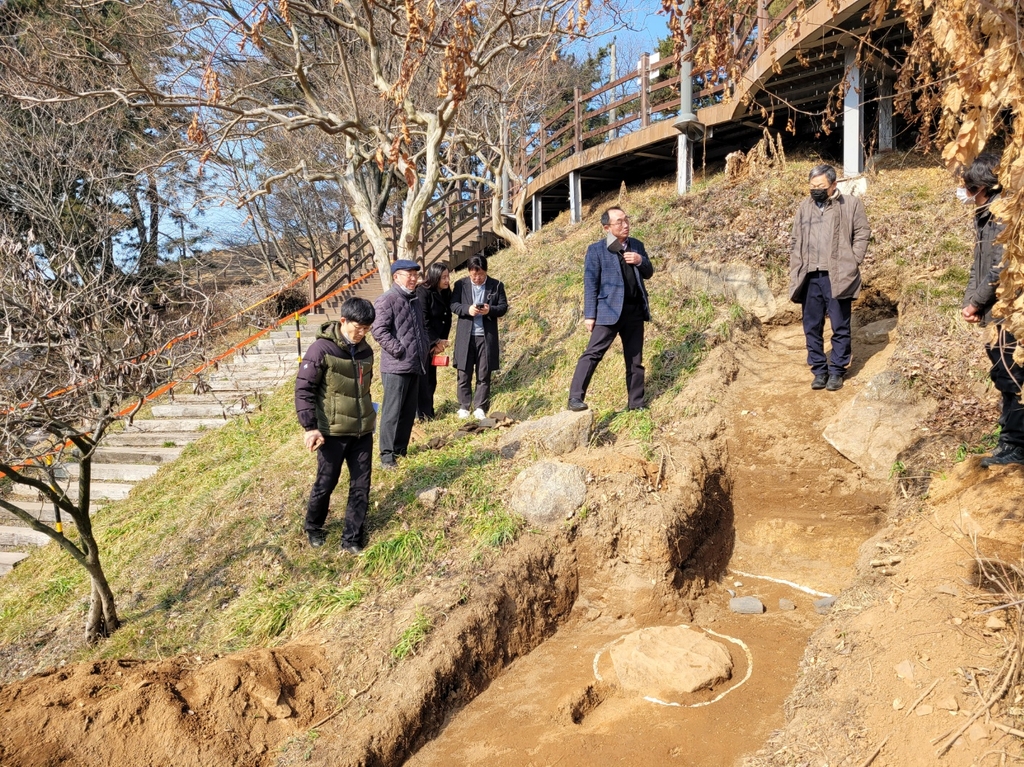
(603, 286)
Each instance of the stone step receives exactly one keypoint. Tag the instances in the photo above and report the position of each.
(281, 346)
(308, 336)
(101, 491)
(197, 411)
(107, 453)
(22, 536)
(251, 373)
(151, 439)
(163, 425)
(42, 511)
(262, 385)
(9, 559)
(118, 472)
(221, 396)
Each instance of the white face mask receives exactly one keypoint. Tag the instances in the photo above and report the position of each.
(962, 196)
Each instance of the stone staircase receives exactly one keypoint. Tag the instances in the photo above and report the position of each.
(139, 451)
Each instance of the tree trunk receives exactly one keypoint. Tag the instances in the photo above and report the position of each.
(101, 621)
(516, 240)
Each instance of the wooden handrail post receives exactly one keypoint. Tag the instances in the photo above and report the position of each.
(524, 172)
(450, 228)
(479, 214)
(577, 120)
(762, 23)
(645, 90)
(312, 285)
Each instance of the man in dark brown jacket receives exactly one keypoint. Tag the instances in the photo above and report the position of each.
(983, 188)
(829, 241)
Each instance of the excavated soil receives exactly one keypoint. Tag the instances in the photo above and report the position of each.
(517, 672)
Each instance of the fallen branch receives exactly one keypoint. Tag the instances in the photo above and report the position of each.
(878, 749)
(923, 695)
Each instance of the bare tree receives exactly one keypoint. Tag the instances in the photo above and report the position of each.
(386, 78)
(81, 350)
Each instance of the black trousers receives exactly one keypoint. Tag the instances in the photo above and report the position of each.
(817, 304)
(1007, 376)
(630, 328)
(425, 402)
(357, 454)
(398, 413)
(476, 361)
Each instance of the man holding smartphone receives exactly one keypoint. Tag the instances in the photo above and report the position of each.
(615, 303)
(478, 301)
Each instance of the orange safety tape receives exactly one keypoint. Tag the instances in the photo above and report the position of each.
(213, 361)
(177, 339)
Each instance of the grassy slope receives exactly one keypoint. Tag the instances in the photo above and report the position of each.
(209, 555)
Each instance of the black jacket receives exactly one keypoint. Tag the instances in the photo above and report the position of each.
(437, 312)
(400, 331)
(988, 263)
(462, 299)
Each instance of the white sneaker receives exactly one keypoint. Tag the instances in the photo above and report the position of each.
(479, 414)
(463, 414)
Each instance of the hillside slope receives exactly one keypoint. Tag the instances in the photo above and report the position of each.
(210, 566)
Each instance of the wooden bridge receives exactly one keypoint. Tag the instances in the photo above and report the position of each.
(792, 58)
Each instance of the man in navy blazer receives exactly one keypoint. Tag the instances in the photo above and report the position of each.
(615, 303)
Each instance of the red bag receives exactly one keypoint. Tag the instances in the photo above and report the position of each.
(440, 360)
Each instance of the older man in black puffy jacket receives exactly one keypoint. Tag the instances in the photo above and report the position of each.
(404, 356)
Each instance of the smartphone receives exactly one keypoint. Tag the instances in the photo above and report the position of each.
(479, 306)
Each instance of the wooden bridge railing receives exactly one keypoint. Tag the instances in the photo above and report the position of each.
(649, 94)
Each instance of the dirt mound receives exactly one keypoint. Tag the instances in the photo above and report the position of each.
(187, 711)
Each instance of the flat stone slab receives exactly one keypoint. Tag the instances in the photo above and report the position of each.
(8, 559)
(667, 662)
(738, 282)
(746, 605)
(548, 492)
(11, 535)
(879, 423)
(118, 472)
(554, 434)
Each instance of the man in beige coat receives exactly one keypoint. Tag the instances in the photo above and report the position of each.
(829, 240)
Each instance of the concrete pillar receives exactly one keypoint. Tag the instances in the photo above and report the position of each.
(684, 164)
(575, 197)
(537, 213)
(885, 115)
(853, 119)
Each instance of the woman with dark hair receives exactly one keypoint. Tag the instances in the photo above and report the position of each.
(478, 301)
(435, 296)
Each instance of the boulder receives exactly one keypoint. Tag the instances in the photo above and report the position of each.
(548, 492)
(879, 423)
(554, 434)
(875, 332)
(666, 662)
(738, 282)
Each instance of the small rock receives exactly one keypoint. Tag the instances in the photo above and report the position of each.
(995, 623)
(923, 710)
(731, 592)
(898, 704)
(945, 588)
(824, 605)
(429, 498)
(905, 670)
(787, 604)
(948, 704)
(978, 731)
(487, 423)
(737, 584)
(746, 605)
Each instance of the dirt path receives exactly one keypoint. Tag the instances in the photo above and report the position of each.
(801, 512)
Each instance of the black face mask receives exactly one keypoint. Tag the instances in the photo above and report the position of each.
(820, 196)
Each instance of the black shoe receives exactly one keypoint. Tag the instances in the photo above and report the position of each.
(819, 382)
(317, 538)
(835, 383)
(388, 465)
(576, 405)
(353, 549)
(1003, 456)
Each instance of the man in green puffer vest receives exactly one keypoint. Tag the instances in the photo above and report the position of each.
(332, 400)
